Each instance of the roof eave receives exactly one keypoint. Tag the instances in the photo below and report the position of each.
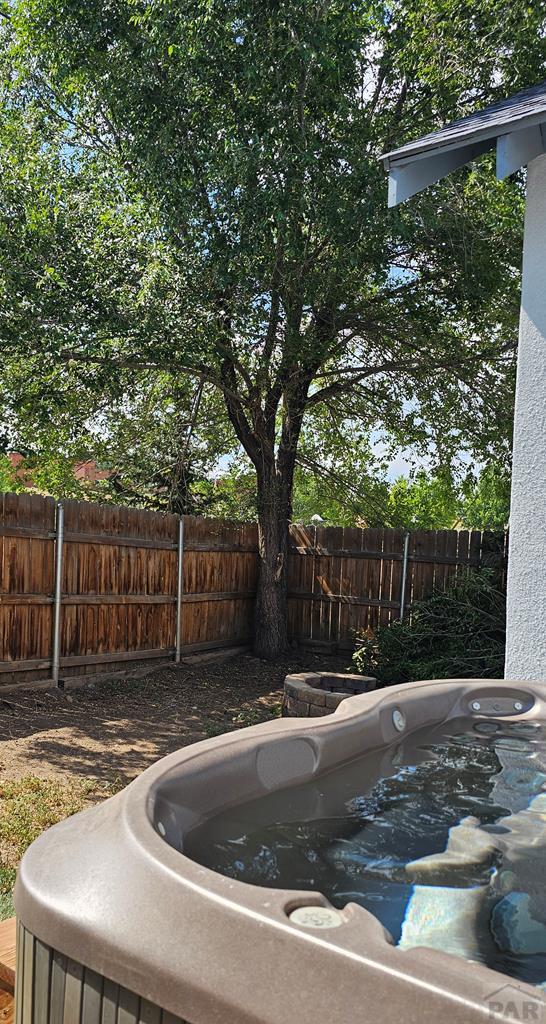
(417, 151)
(517, 145)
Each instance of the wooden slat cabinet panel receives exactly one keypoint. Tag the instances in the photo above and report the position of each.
(53, 989)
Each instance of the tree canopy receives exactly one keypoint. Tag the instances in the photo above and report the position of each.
(194, 189)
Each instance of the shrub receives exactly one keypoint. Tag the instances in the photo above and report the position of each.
(456, 633)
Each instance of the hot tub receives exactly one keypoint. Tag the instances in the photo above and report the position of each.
(120, 919)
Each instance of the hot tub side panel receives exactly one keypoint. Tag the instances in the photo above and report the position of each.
(52, 988)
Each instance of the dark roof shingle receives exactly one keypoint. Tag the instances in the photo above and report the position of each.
(524, 108)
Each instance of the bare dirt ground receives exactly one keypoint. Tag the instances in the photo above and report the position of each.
(116, 728)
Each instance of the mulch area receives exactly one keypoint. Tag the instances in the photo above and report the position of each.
(115, 728)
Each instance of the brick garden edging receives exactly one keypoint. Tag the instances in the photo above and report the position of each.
(313, 694)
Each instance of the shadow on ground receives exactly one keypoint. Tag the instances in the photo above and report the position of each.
(118, 727)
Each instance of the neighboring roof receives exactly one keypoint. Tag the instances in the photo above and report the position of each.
(519, 120)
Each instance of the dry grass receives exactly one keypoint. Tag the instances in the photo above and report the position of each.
(30, 805)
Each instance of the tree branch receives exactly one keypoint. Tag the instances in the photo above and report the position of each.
(356, 375)
(200, 371)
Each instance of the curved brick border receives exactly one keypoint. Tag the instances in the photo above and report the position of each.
(313, 694)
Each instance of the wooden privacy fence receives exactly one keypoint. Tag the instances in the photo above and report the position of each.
(92, 587)
(343, 579)
(117, 581)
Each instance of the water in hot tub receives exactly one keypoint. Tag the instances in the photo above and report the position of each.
(442, 837)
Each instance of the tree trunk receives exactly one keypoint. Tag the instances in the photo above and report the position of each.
(270, 626)
(275, 480)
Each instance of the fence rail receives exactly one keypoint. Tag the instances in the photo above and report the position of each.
(130, 585)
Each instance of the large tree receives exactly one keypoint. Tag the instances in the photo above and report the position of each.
(239, 141)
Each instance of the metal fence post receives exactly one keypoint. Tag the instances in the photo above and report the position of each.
(179, 589)
(403, 581)
(59, 534)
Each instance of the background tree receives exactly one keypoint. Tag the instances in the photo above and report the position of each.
(212, 206)
(156, 436)
(428, 502)
(8, 479)
(485, 501)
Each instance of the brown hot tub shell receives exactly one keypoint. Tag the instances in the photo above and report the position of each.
(110, 889)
